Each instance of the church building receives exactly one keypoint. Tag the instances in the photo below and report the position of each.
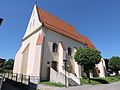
(47, 42)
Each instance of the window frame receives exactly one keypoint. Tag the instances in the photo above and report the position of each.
(54, 47)
(69, 51)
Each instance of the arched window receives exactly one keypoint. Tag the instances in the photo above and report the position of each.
(55, 47)
(69, 51)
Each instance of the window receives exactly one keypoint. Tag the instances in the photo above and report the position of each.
(55, 47)
(98, 71)
(69, 51)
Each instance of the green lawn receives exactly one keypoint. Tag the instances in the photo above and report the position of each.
(98, 80)
(52, 84)
(93, 81)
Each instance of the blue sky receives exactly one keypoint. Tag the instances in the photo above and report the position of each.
(97, 19)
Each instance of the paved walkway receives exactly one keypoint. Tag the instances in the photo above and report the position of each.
(112, 86)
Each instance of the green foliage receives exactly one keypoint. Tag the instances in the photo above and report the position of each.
(87, 57)
(85, 81)
(98, 80)
(2, 62)
(114, 64)
(8, 65)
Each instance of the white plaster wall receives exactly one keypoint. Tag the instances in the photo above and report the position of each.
(47, 57)
(77, 69)
(80, 70)
(37, 61)
(101, 66)
(57, 77)
(60, 69)
(60, 78)
(57, 38)
(25, 54)
(34, 25)
(34, 58)
(32, 51)
(18, 62)
(76, 65)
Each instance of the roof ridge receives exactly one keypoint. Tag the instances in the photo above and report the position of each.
(56, 17)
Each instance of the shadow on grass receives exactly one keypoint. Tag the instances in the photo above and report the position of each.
(100, 80)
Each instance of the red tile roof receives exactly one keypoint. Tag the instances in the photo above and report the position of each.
(88, 42)
(57, 25)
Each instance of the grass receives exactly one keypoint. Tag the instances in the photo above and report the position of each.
(52, 84)
(95, 81)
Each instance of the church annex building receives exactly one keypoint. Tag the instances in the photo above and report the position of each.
(47, 42)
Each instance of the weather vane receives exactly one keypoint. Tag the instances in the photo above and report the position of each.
(36, 2)
(1, 20)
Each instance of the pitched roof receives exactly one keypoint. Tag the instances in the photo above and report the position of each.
(88, 42)
(57, 25)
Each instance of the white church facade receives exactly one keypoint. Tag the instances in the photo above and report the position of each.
(47, 42)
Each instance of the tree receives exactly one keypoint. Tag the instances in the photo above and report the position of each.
(114, 64)
(87, 57)
(8, 65)
(1, 63)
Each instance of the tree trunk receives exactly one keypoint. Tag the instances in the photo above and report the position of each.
(117, 73)
(88, 75)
